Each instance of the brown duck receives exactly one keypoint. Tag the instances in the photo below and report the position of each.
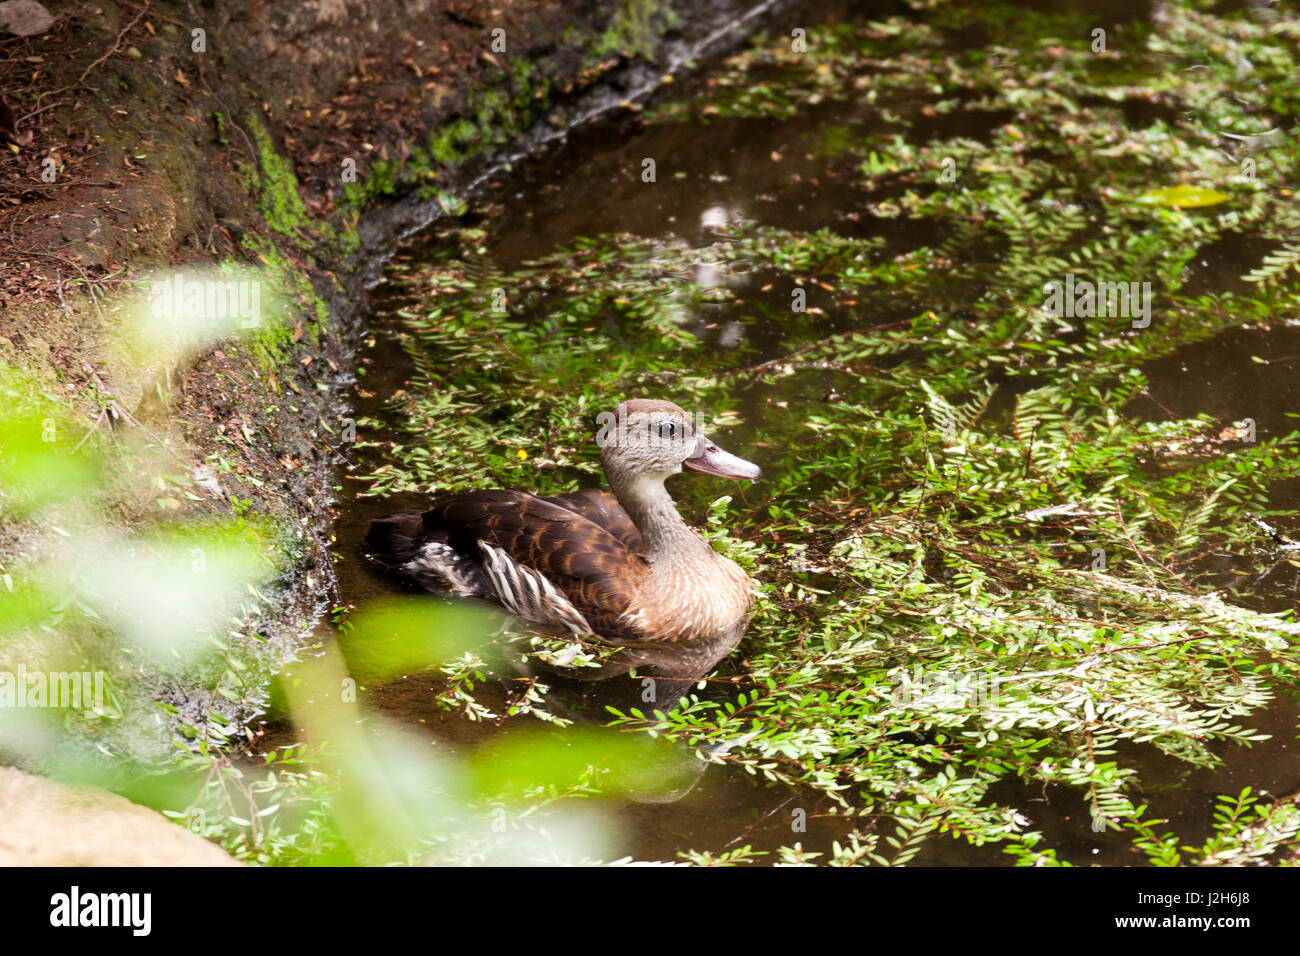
(623, 569)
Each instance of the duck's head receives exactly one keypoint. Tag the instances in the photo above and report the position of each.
(653, 438)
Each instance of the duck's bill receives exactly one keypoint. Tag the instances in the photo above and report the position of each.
(712, 460)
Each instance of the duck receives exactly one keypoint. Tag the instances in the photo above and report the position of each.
(619, 567)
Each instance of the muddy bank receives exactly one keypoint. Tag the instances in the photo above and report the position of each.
(302, 140)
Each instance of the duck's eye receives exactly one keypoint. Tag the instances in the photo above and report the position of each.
(667, 429)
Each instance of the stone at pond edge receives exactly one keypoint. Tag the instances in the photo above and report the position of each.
(25, 18)
(45, 823)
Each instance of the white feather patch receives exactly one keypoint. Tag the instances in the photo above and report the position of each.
(527, 594)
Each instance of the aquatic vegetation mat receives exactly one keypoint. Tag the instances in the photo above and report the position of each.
(985, 558)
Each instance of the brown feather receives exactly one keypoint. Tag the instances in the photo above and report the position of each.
(601, 508)
(592, 567)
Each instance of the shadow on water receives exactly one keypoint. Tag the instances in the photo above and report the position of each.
(783, 173)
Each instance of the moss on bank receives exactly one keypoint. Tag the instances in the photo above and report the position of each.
(635, 30)
(275, 186)
(515, 96)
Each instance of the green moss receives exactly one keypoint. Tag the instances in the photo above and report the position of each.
(277, 186)
(635, 30)
(219, 122)
(453, 143)
(531, 89)
(492, 116)
(272, 341)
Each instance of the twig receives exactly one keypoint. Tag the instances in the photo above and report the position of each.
(114, 407)
(1146, 393)
(750, 829)
(90, 283)
(1285, 543)
(116, 43)
(102, 412)
(62, 301)
(65, 185)
(48, 106)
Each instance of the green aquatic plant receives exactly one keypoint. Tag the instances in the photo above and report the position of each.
(989, 561)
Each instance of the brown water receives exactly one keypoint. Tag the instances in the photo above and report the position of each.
(588, 185)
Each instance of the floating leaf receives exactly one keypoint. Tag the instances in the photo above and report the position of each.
(1183, 197)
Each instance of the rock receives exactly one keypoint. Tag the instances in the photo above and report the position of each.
(26, 18)
(44, 823)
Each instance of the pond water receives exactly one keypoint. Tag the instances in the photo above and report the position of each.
(743, 148)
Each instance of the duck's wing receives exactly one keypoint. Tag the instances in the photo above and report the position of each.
(602, 508)
(531, 547)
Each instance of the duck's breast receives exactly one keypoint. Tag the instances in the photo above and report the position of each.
(688, 601)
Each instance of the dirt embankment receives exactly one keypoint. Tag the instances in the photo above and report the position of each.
(299, 138)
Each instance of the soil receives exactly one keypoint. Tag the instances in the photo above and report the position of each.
(137, 137)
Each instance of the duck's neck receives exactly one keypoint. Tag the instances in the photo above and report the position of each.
(667, 537)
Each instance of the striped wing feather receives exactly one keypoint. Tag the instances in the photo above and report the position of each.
(593, 567)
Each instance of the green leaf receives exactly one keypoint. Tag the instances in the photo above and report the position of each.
(1183, 197)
